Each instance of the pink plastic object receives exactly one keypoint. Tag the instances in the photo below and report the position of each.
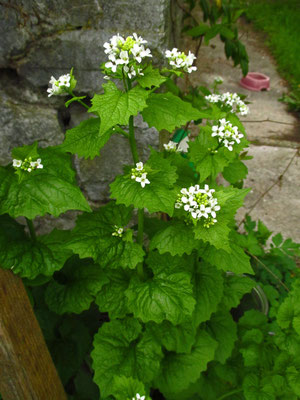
(256, 81)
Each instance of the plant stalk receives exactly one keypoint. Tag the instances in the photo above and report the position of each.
(83, 104)
(140, 234)
(224, 396)
(78, 100)
(31, 229)
(135, 156)
(121, 131)
(132, 141)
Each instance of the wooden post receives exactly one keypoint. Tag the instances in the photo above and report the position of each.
(27, 371)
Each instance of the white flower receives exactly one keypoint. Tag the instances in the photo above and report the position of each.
(28, 165)
(118, 231)
(111, 66)
(171, 146)
(138, 397)
(143, 180)
(58, 86)
(213, 98)
(126, 52)
(179, 60)
(123, 58)
(139, 39)
(200, 204)
(218, 80)
(17, 163)
(232, 100)
(65, 80)
(139, 166)
(227, 134)
(36, 164)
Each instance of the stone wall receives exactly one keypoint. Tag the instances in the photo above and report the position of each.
(40, 38)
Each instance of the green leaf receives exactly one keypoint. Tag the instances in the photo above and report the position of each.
(226, 32)
(85, 139)
(235, 287)
(253, 336)
(166, 111)
(166, 263)
(212, 32)
(253, 319)
(254, 390)
(168, 295)
(288, 313)
(179, 338)
(151, 78)
(229, 199)
(112, 297)
(127, 388)
(115, 107)
(235, 260)
(93, 237)
(187, 175)
(208, 287)
(293, 377)
(206, 162)
(20, 153)
(177, 238)
(156, 196)
(179, 370)
(120, 349)
(199, 30)
(235, 171)
(70, 347)
(75, 287)
(31, 258)
(224, 330)
(84, 385)
(277, 239)
(49, 190)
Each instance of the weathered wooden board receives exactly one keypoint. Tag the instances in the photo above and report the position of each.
(27, 371)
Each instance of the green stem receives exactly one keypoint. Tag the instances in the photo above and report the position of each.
(31, 229)
(135, 156)
(118, 129)
(140, 234)
(79, 101)
(132, 141)
(83, 104)
(229, 394)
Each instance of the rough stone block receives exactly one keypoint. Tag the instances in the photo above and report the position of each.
(23, 121)
(39, 39)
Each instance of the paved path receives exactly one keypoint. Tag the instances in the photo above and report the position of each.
(273, 145)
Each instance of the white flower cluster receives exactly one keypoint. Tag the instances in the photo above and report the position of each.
(200, 204)
(179, 60)
(227, 134)
(139, 174)
(118, 231)
(232, 100)
(58, 86)
(171, 146)
(138, 397)
(28, 165)
(218, 80)
(127, 53)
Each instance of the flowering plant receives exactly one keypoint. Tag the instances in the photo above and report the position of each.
(154, 260)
